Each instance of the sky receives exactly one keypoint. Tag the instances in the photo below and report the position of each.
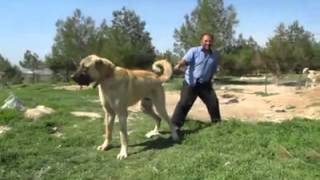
(30, 24)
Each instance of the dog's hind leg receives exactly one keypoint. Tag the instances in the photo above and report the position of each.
(146, 107)
(109, 117)
(160, 104)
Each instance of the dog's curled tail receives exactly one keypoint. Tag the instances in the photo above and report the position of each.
(163, 69)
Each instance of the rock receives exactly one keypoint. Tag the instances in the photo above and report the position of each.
(279, 110)
(13, 102)
(38, 112)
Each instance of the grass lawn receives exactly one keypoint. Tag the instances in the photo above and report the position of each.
(229, 150)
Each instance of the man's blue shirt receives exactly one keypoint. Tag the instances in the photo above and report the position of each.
(200, 66)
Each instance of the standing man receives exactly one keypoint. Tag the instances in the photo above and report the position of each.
(201, 64)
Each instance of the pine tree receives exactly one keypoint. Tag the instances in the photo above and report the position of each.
(32, 62)
(76, 38)
(208, 16)
(126, 41)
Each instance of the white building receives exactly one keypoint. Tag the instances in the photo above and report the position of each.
(41, 75)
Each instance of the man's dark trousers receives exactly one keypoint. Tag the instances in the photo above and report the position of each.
(188, 96)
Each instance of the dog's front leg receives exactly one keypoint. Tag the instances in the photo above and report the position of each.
(123, 136)
(108, 121)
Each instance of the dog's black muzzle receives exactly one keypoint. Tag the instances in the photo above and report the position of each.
(82, 79)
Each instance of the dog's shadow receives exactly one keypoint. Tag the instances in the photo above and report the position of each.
(165, 141)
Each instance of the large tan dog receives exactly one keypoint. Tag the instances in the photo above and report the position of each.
(313, 77)
(120, 88)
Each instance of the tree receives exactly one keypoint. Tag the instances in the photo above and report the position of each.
(315, 61)
(168, 55)
(208, 16)
(14, 75)
(242, 58)
(4, 64)
(126, 42)
(32, 62)
(10, 73)
(291, 47)
(76, 38)
(302, 41)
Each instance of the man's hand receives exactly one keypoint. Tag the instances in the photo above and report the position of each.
(178, 68)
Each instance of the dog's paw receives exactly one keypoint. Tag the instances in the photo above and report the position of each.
(152, 133)
(102, 147)
(122, 155)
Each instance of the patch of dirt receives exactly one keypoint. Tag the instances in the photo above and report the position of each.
(4, 129)
(86, 114)
(72, 87)
(282, 103)
(244, 102)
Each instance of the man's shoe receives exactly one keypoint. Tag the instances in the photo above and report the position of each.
(179, 131)
(216, 121)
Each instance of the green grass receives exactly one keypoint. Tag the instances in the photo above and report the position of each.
(263, 94)
(229, 150)
(175, 84)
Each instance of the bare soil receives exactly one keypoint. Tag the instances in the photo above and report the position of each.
(246, 102)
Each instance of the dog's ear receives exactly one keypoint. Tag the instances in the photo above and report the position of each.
(105, 69)
(98, 63)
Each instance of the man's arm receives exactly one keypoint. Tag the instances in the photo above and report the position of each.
(180, 64)
(187, 58)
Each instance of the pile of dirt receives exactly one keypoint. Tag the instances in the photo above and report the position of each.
(92, 115)
(72, 87)
(38, 112)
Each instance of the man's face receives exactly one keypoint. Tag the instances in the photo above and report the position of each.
(206, 42)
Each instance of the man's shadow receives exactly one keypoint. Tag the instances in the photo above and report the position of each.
(165, 141)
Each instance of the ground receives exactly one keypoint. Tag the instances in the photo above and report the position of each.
(250, 103)
(247, 103)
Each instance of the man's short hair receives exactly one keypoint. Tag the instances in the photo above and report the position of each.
(206, 34)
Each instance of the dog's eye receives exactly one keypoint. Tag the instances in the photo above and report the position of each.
(85, 69)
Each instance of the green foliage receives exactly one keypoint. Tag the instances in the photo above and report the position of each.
(9, 116)
(289, 49)
(4, 64)
(127, 43)
(32, 62)
(175, 84)
(75, 39)
(208, 16)
(242, 58)
(315, 61)
(14, 75)
(11, 73)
